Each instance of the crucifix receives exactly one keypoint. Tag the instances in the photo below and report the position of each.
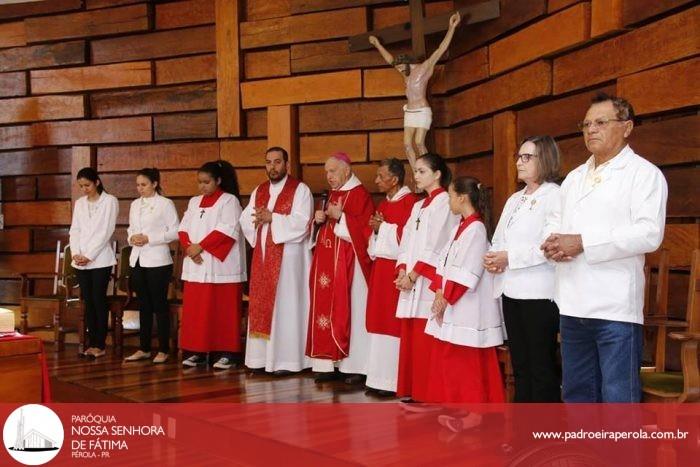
(201, 213)
(416, 68)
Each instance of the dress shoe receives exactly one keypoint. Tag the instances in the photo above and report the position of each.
(138, 355)
(97, 353)
(283, 373)
(355, 379)
(162, 357)
(326, 377)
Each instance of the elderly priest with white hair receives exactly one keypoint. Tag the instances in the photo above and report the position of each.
(340, 271)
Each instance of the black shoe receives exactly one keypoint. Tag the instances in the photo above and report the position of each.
(283, 373)
(326, 377)
(383, 393)
(256, 371)
(355, 379)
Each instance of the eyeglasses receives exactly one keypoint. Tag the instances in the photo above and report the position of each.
(524, 157)
(599, 123)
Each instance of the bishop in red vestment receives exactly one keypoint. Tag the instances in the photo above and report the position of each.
(340, 272)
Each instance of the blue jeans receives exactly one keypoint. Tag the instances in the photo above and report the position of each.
(601, 360)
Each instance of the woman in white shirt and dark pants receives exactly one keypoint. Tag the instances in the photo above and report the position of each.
(92, 226)
(153, 224)
(525, 278)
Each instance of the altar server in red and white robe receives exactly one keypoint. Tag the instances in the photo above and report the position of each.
(387, 226)
(214, 269)
(277, 223)
(339, 275)
(466, 320)
(424, 236)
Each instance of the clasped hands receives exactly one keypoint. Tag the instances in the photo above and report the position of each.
(81, 260)
(375, 221)
(562, 247)
(405, 281)
(333, 210)
(139, 239)
(261, 216)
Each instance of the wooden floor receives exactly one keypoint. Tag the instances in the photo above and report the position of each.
(110, 379)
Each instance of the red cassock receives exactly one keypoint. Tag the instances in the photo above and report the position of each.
(332, 271)
(383, 295)
(211, 312)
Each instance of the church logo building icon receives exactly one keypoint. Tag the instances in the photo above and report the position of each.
(33, 434)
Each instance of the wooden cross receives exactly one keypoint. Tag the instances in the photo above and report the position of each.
(420, 26)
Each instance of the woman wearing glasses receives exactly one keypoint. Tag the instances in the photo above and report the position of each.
(524, 278)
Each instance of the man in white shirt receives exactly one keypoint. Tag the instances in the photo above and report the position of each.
(276, 224)
(613, 211)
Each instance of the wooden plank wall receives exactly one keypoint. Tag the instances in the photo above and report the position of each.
(129, 84)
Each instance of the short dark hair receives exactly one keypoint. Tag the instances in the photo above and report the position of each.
(395, 168)
(623, 109)
(88, 173)
(285, 155)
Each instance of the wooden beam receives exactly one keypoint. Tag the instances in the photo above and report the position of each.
(13, 84)
(663, 41)
(244, 152)
(347, 116)
(634, 11)
(267, 63)
(606, 17)
(228, 69)
(88, 23)
(153, 100)
(415, 8)
(303, 28)
(282, 131)
(42, 56)
(472, 14)
(163, 156)
(81, 156)
(551, 35)
(104, 130)
(301, 89)
(24, 9)
(37, 213)
(504, 146)
(184, 126)
(35, 161)
(186, 69)
(15, 240)
(643, 89)
(13, 34)
(160, 44)
(120, 75)
(185, 13)
(32, 109)
(316, 149)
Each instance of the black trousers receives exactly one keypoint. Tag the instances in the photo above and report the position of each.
(93, 288)
(532, 327)
(151, 285)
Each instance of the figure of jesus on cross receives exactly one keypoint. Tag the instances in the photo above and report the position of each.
(417, 113)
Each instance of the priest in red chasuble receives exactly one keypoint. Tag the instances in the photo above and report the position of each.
(340, 271)
(387, 225)
(277, 224)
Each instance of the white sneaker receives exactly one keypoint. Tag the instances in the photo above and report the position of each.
(194, 360)
(138, 355)
(223, 364)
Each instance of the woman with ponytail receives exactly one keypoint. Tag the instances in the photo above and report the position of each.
(465, 320)
(91, 229)
(214, 269)
(153, 224)
(424, 235)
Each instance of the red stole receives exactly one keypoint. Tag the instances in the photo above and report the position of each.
(332, 275)
(265, 272)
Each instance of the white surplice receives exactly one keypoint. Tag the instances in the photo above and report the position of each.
(383, 364)
(284, 350)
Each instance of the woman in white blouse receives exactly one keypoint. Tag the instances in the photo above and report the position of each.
(525, 278)
(153, 224)
(91, 229)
